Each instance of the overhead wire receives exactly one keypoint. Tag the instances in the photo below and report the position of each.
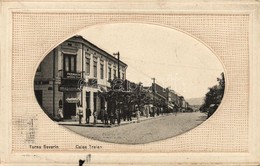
(173, 65)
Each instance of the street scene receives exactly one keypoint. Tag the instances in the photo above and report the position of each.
(148, 130)
(105, 96)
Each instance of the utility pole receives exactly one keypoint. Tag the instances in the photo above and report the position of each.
(118, 63)
(153, 85)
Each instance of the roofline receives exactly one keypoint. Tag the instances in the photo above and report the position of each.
(98, 49)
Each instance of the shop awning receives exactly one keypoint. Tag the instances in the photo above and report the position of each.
(72, 100)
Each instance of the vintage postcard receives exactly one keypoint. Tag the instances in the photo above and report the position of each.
(129, 83)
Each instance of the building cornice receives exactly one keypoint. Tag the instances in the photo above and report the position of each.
(80, 39)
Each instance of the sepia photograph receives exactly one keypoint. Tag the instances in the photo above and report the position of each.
(129, 83)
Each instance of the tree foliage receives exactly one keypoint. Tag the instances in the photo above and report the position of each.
(214, 96)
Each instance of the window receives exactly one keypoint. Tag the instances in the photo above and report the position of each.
(123, 76)
(95, 69)
(114, 73)
(101, 71)
(69, 64)
(109, 73)
(87, 65)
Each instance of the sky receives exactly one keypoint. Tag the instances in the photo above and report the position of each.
(175, 59)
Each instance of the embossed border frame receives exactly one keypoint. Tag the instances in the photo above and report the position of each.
(8, 157)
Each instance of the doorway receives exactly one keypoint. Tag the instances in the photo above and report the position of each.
(69, 110)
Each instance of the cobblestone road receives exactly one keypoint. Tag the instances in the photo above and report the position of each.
(154, 129)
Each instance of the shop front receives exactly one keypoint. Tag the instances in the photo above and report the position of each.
(71, 95)
(71, 102)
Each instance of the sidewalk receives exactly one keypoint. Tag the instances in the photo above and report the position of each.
(100, 124)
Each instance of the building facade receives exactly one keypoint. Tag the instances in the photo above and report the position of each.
(170, 97)
(71, 76)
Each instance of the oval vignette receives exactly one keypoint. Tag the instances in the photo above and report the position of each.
(129, 83)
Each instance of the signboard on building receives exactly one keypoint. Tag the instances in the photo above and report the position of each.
(69, 89)
(72, 75)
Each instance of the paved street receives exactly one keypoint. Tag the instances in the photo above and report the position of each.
(149, 130)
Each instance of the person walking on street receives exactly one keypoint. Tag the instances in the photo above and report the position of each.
(106, 117)
(80, 114)
(88, 114)
(124, 112)
(158, 111)
(118, 116)
(102, 114)
(95, 117)
(153, 111)
(60, 114)
(147, 110)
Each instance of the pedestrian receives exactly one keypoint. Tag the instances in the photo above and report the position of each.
(111, 118)
(118, 116)
(95, 117)
(88, 114)
(147, 110)
(60, 114)
(158, 111)
(102, 114)
(124, 112)
(80, 114)
(106, 117)
(129, 113)
(153, 111)
(137, 114)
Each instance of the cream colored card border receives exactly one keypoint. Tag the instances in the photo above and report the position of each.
(249, 156)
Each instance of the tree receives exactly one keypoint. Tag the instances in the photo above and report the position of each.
(118, 96)
(214, 96)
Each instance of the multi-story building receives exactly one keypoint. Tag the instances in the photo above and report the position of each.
(160, 91)
(71, 76)
(173, 98)
(168, 96)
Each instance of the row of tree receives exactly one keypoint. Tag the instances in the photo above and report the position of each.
(120, 97)
(214, 96)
